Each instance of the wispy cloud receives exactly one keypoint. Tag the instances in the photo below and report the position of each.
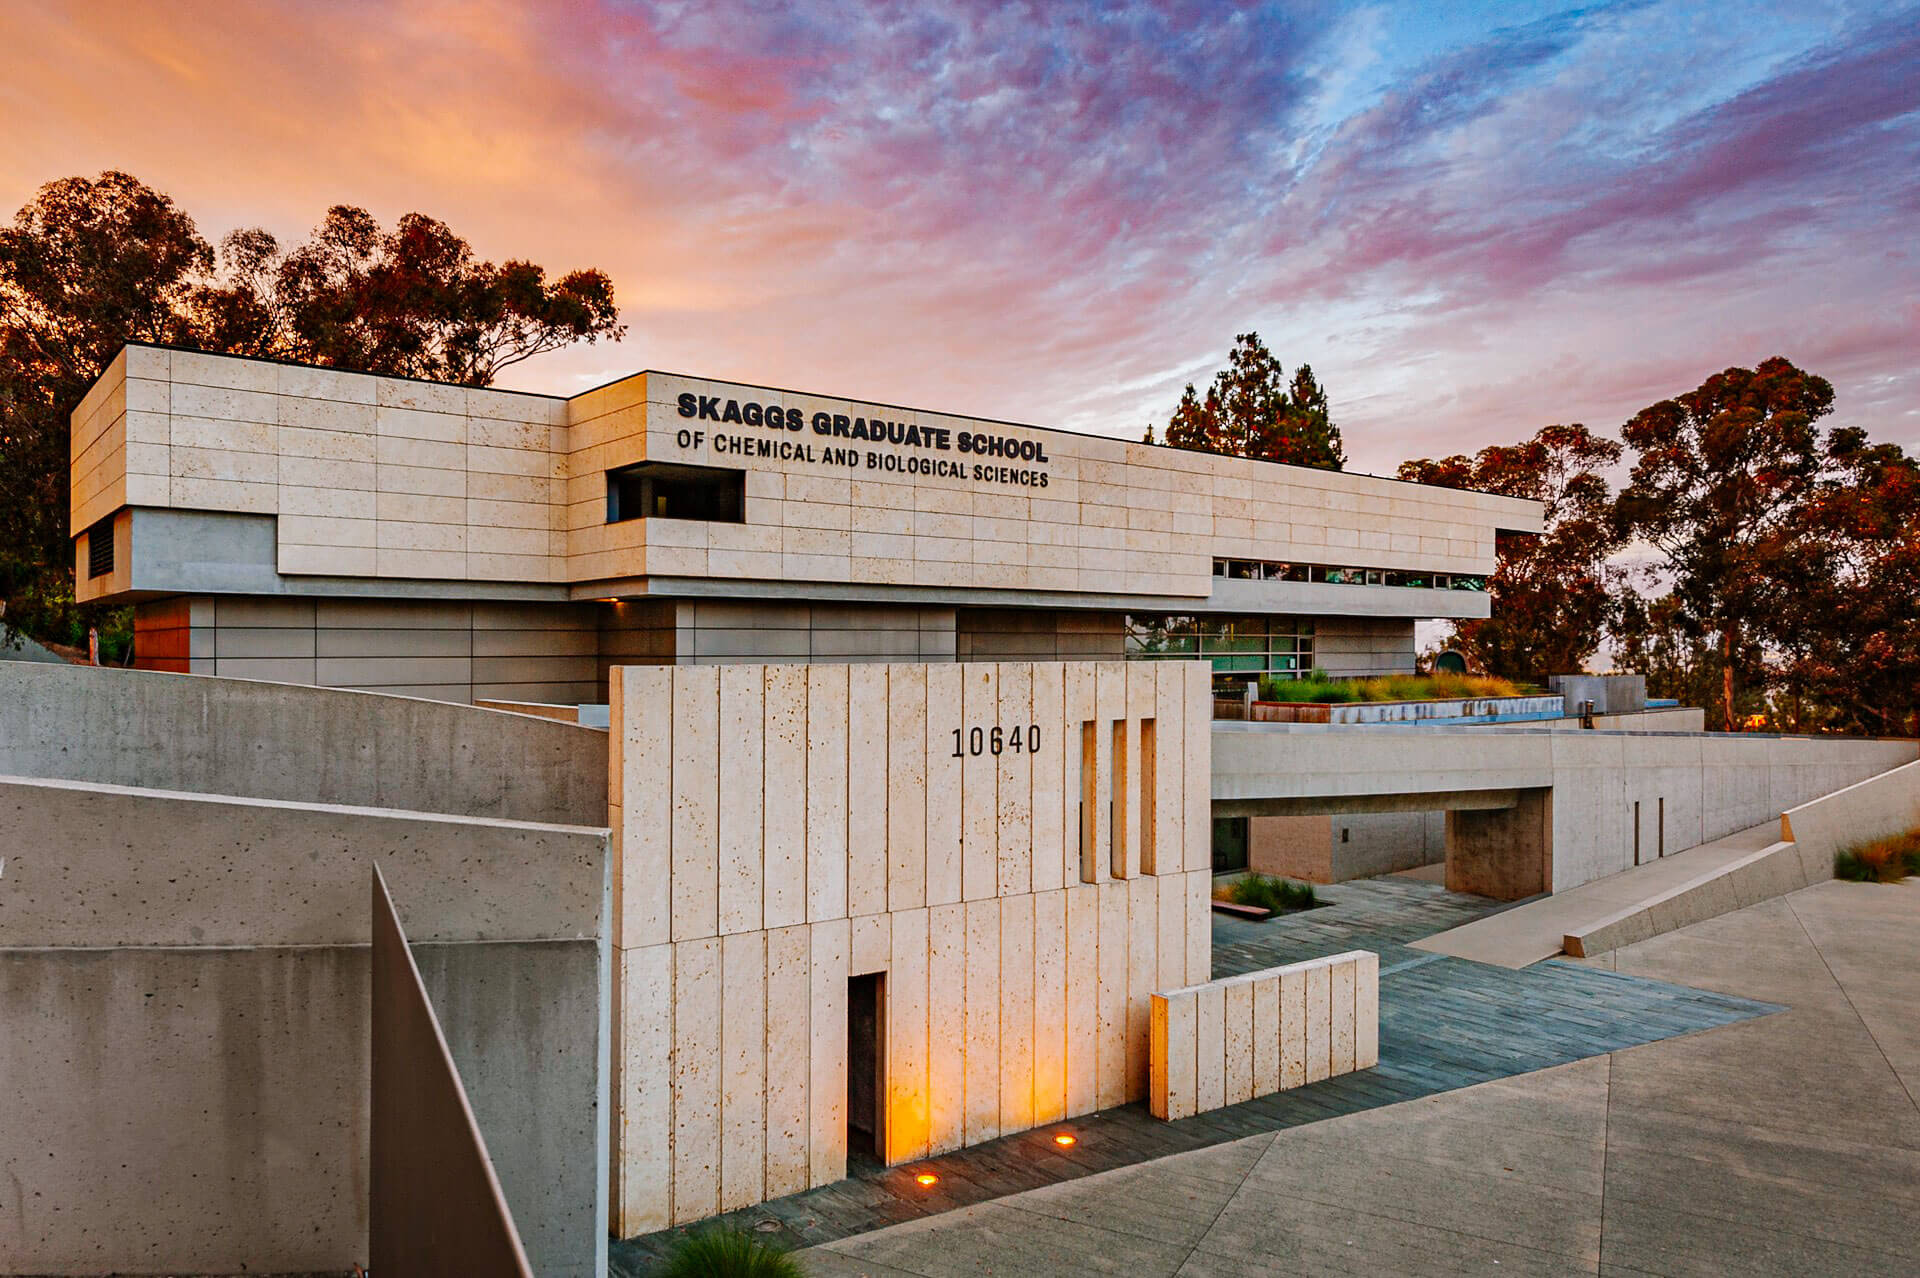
(1060, 213)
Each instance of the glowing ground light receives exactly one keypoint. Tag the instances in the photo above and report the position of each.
(926, 1178)
(1063, 1140)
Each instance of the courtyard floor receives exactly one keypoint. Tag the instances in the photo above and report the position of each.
(1771, 1144)
(1134, 1193)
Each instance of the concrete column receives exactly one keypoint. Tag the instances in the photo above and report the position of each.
(1014, 784)
(867, 786)
(827, 725)
(946, 1025)
(1111, 1050)
(743, 1039)
(906, 787)
(907, 1043)
(1197, 744)
(1143, 976)
(696, 803)
(1083, 1007)
(789, 1056)
(979, 786)
(784, 805)
(742, 772)
(1049, 1005)
(1016, 1013)
(1506, 854)
(944, 714)
(1045, 762)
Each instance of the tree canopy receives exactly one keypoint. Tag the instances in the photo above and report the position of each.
(1721, 476)
(1782, 579)
(1252, 409)
(1552, 594)
(93, 263)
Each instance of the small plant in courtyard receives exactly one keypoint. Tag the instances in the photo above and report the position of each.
(729, 1253)
(1316, 688)
(1270, 893)
(1885, 860)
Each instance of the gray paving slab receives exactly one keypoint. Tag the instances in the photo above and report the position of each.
(1775, 1144)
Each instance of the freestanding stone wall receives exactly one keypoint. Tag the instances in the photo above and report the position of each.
(1228, 1041)
(1021, 852)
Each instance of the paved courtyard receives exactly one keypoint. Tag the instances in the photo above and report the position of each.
(1446, 1024)
(1771, 1144)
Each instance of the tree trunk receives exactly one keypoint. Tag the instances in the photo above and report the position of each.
(1726, 674)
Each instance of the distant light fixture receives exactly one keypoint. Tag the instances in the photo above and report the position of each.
(926, 1178)
(1064, 1139)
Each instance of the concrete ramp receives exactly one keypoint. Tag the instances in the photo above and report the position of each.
(1697, 879)
(1753, 865)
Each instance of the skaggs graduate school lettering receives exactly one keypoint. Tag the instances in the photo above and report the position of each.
(775, 417)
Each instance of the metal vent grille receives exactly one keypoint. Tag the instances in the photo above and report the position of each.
(100, 548)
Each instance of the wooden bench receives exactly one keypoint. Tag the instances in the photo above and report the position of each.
(1241, 911)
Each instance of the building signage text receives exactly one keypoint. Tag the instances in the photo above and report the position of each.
(843, 426)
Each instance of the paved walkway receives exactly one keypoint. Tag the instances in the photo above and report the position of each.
(1445, 1024)
(1537, 928)
(1784, 1144)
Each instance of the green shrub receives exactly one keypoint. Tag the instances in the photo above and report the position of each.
(1270, 893)
(1316, 688)
(1885, 860)
(729, 1253)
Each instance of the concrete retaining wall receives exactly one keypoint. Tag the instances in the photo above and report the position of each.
(304, 745)
(1228, 1041)
(1874, 809)
(1618, 798)
(1810, 835)
(183, 1023)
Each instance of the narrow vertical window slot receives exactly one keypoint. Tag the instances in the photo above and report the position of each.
(1089, 796)
(1117, 788)
(1149, 805)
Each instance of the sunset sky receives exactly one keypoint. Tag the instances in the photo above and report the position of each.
(1471, 219)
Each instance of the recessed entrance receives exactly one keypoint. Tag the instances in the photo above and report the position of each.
(866, 1066)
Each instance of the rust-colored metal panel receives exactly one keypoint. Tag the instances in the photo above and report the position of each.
(436, 1204)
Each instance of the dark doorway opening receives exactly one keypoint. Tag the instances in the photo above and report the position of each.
(866, 1067)
(1230, 838)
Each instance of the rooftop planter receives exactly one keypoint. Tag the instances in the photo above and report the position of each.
(1402, 699)
(1486, 708)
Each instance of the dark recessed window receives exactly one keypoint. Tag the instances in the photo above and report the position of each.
(100, 549)
(662, 490)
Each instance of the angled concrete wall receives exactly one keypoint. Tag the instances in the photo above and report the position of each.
(305, 745)
(1877, 808)
(183, 1023)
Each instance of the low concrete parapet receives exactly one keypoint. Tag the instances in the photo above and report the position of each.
(1230, 1040)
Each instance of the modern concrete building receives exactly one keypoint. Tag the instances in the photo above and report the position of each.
(275, 521)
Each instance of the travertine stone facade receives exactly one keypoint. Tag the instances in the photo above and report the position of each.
(377, 477)
(783, 829)
(382, 478)
(1223, 1042)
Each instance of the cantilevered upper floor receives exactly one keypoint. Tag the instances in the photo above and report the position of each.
(196, 473)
